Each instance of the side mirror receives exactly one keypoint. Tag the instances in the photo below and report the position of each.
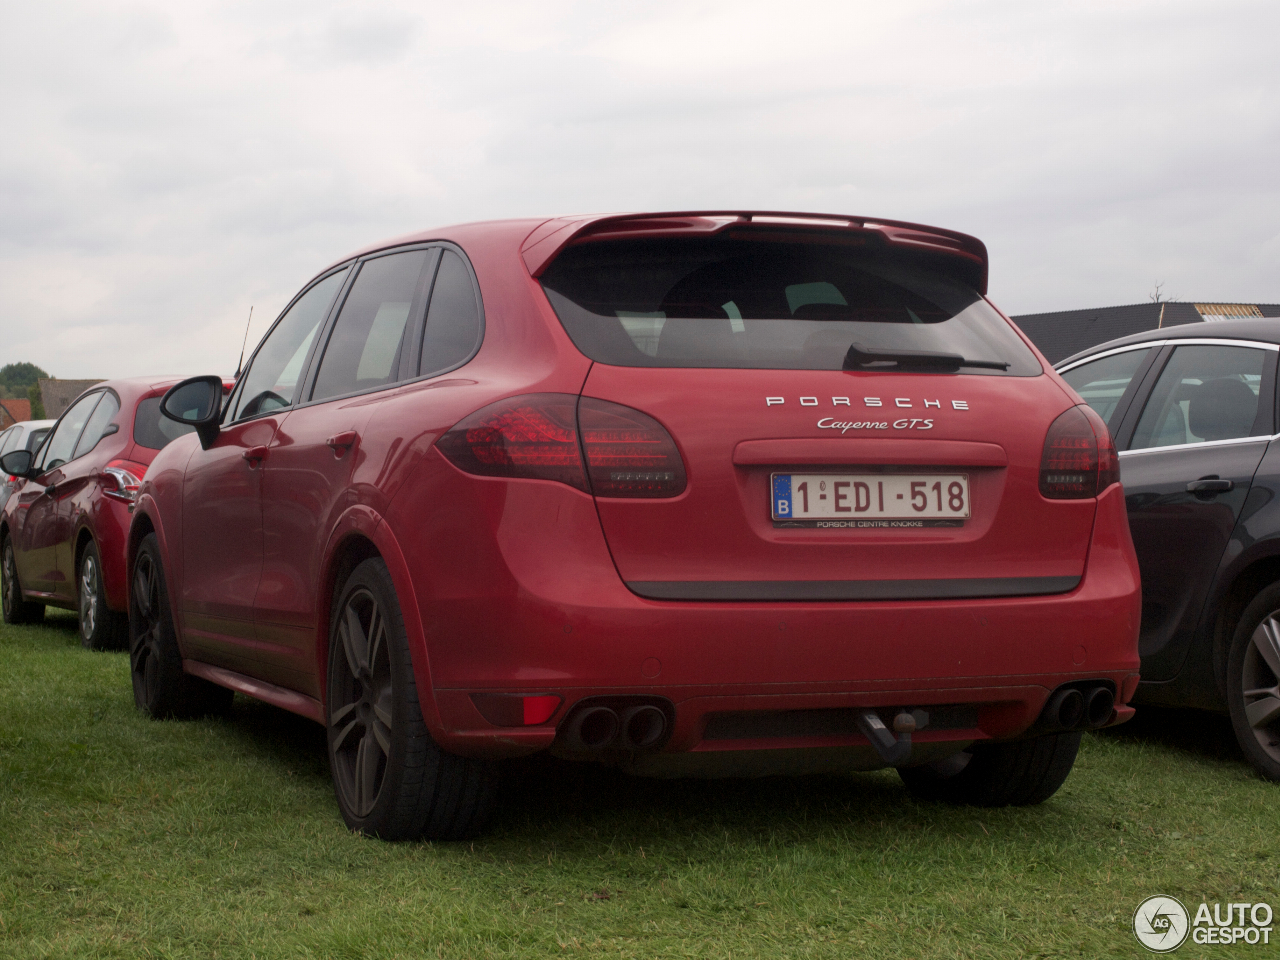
(197, 403)
(18, 463)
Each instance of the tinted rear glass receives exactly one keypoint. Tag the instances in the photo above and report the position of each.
(767, 305)
(153, 429)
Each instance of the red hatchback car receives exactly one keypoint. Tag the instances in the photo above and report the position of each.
(63, 531)
(707, 494)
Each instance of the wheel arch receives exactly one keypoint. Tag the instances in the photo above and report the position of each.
(1257, 574)
(359, 535)
(143, 524)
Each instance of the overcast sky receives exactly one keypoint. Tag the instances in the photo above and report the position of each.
(164, 166)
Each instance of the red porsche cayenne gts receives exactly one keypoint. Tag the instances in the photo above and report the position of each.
(701, 494)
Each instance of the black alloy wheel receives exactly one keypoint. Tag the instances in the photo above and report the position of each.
(390, 778)
(160, 687)
(16, 609)
(1253, 682)
(101, 628)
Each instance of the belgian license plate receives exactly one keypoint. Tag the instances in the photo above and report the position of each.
(870, 500)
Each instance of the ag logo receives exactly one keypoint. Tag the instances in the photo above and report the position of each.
(1161, 924)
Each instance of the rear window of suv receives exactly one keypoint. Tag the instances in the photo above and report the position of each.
(753, 304)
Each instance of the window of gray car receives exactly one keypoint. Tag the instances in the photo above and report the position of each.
(363, 351)
(1205, 393)
(9, 439)
(454, 327)
(752, 304)
(67, 433)
(36, 438)
(271, 381)
(102, 416)
(1102, 383)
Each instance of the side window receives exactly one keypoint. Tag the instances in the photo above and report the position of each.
(364, 348)
(8, 439)
(1205, 393)
(453, 320)
(36, 438)
(102, 416)
(272, 378)
(153, 430)
(1101, 383)
(67, 433)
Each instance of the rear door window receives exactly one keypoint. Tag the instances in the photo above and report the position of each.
(768, 305)
(36, 438)
(1207, 393)
(153, 430)
(9, 439)
(1103, 383)
(363, 352)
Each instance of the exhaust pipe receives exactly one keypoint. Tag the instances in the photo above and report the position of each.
(1065, 709)
(592, 729)
(643, 726)
(1098, 704)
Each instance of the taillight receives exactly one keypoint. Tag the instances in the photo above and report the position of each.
(629, 454)
(122, 479)
(1079, 458)
(533, 436)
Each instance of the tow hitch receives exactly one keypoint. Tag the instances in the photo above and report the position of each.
(893, 750)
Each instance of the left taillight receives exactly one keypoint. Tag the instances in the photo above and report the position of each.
(121, 480)
(544, 436)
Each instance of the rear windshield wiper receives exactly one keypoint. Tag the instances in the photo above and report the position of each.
(859, 357)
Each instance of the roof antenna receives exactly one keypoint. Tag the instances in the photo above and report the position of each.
(240, 365)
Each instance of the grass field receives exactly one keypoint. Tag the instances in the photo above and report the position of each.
(123, 837)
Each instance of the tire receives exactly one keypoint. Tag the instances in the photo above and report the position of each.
(101, 628)
(1019, 774)
(160, 688)
(1253, 682)
(16, 609)
(391, 779)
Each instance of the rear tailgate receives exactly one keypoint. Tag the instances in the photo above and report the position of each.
(739, 431)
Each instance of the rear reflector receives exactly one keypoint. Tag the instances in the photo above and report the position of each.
(1079, 459)
(629, 454)
(532, 436)
(516, 710)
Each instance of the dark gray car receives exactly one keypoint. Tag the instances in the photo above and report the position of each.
(1194, 414)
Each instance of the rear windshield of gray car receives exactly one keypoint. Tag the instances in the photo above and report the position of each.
(153, 429)
(767, 305)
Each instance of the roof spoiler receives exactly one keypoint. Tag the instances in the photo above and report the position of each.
(546, 242)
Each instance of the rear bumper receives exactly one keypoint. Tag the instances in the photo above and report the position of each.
(557, 619)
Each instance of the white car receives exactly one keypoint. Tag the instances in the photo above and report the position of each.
(26, 435)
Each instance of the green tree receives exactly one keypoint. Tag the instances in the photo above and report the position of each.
(37, 404)
(17, 379)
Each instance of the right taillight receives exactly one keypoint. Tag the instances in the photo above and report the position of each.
(544, 436)
(1079, 459)
(122, 478)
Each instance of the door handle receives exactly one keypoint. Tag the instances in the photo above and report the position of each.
(342, 441)
(1208, 486)
(255, 455)
(50, 490)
